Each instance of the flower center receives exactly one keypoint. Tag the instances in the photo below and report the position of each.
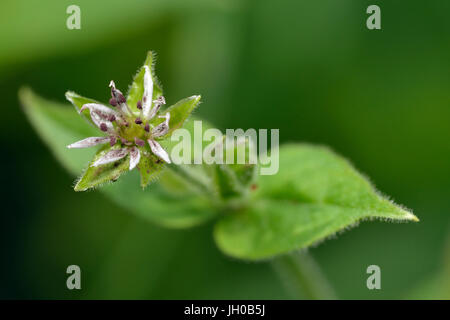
(132, 131)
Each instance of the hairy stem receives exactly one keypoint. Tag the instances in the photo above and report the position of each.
(302, 277)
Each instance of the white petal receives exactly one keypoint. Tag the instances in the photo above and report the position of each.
(162, 128)
(101, 114)
(148, 93)
(88, 142)
(135, 156)
(111, 156)
(158, 150)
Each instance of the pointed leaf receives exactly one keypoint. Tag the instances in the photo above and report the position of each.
(136, 89)
(59, 126)
(314, 195)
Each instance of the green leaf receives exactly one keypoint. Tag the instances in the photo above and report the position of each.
(157, 205)
(97, 176)
(136, 90)
(78, 102)
(315, 194)
(59, 126)
(179, 113)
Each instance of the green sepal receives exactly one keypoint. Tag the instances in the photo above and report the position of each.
(179, 113)
(150, 166)
(78, 102)
(96, 176)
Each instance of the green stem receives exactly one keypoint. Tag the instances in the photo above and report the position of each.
(302, 277)
(192, 176)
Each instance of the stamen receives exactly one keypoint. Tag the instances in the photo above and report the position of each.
(147, 127)
(125, 142)
(162, 128)
(113, 102)
(103, 127)
(138, 120)
(139, 105)
(139, 142)
(112, 140)
(156, 106)
(112, 118)
(121, 98)
(160, 100)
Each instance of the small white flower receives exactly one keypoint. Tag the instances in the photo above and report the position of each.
(117, 123)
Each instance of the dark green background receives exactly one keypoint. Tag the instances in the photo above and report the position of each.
(310, 68)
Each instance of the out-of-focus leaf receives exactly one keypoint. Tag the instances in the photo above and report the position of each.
(59, 125)
(315, 194)
(136, 90)
(157, 205)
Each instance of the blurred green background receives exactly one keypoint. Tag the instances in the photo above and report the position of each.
(310, 68)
